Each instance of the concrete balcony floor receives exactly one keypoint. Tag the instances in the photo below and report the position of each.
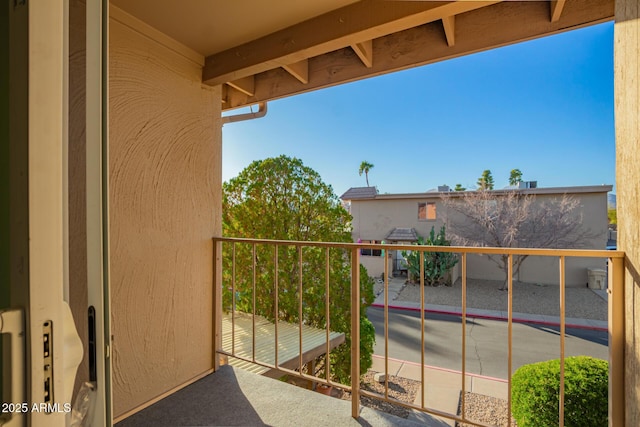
(233, 397)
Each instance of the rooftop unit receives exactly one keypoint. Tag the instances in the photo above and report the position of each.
(528, 184)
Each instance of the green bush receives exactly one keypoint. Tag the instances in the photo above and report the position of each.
(535, 393)
(437, 265)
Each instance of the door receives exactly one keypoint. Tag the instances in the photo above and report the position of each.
(37, 216)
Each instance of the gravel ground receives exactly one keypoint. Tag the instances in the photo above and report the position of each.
(478, 407)
(527, 298)
(485, 409)
(402, 389)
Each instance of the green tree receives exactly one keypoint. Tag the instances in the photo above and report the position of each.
(515, 176)
(485, 182)
(365, 167)
(281, 199)
(612, 214)
(459, 187)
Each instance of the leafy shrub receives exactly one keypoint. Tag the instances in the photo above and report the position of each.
(436, 264)
(341, 321)
(314, 297)
(280, 198)
(535, 393)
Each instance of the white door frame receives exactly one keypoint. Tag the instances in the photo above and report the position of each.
(47, 118)
(40, 31)
(97, 193)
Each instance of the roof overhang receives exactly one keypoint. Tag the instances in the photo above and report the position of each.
(587, 189)
(403, 235)
(260, 51)
(355, 193)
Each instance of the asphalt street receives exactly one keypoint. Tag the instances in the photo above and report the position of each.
(486, 341)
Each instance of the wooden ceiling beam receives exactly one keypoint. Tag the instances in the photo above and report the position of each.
(499, 25)
(448, 23)
(245, 85)
(299, 70)
(223, 94)
(556, 9)
(364, 51)
(352, 24)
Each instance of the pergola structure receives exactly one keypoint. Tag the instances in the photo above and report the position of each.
(263, 52)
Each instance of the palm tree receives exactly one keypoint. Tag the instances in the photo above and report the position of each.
(515, 177)
(485, 182)
(365, 167)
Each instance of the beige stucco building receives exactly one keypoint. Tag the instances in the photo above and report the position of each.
(110, 144)
(381, 218)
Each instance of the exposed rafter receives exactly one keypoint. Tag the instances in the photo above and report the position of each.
(478, 30)
(449, 23)
(299, 70)
(556, 9)
(364, 51)
(245, 85)
(347, 26)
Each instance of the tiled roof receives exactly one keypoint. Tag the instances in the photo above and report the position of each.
(403, 235)
(360, 193)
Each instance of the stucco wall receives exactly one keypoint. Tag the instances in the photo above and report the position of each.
(374, 265)
(374, 220)
(165, 189)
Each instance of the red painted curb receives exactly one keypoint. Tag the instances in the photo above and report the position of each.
(489, 317)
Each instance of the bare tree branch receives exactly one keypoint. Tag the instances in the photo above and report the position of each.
(514, 220)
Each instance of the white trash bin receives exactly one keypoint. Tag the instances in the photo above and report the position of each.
(596, 278)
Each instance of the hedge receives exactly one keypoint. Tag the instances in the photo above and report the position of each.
(535, 393)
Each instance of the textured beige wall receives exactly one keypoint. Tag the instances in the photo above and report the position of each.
(539, 270)
(374, 220)
(627, 86)
(165, 189)
(374, 265)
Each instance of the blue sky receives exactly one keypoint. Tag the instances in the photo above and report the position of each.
(544, 106)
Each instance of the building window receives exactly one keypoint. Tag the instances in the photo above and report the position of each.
(427, 211)
(371, 252)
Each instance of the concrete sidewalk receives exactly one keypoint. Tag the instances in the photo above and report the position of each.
(396, 285)
(441, 388)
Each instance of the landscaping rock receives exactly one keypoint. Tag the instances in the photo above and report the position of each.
(379, 377)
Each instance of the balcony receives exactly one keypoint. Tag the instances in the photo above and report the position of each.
(233, 396)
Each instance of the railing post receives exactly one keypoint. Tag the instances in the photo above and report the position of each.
(217, 302)
(562, 281)
(509, 334)
(355, 332)
(616, 341)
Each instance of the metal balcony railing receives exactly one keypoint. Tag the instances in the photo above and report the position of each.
(263, 259)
